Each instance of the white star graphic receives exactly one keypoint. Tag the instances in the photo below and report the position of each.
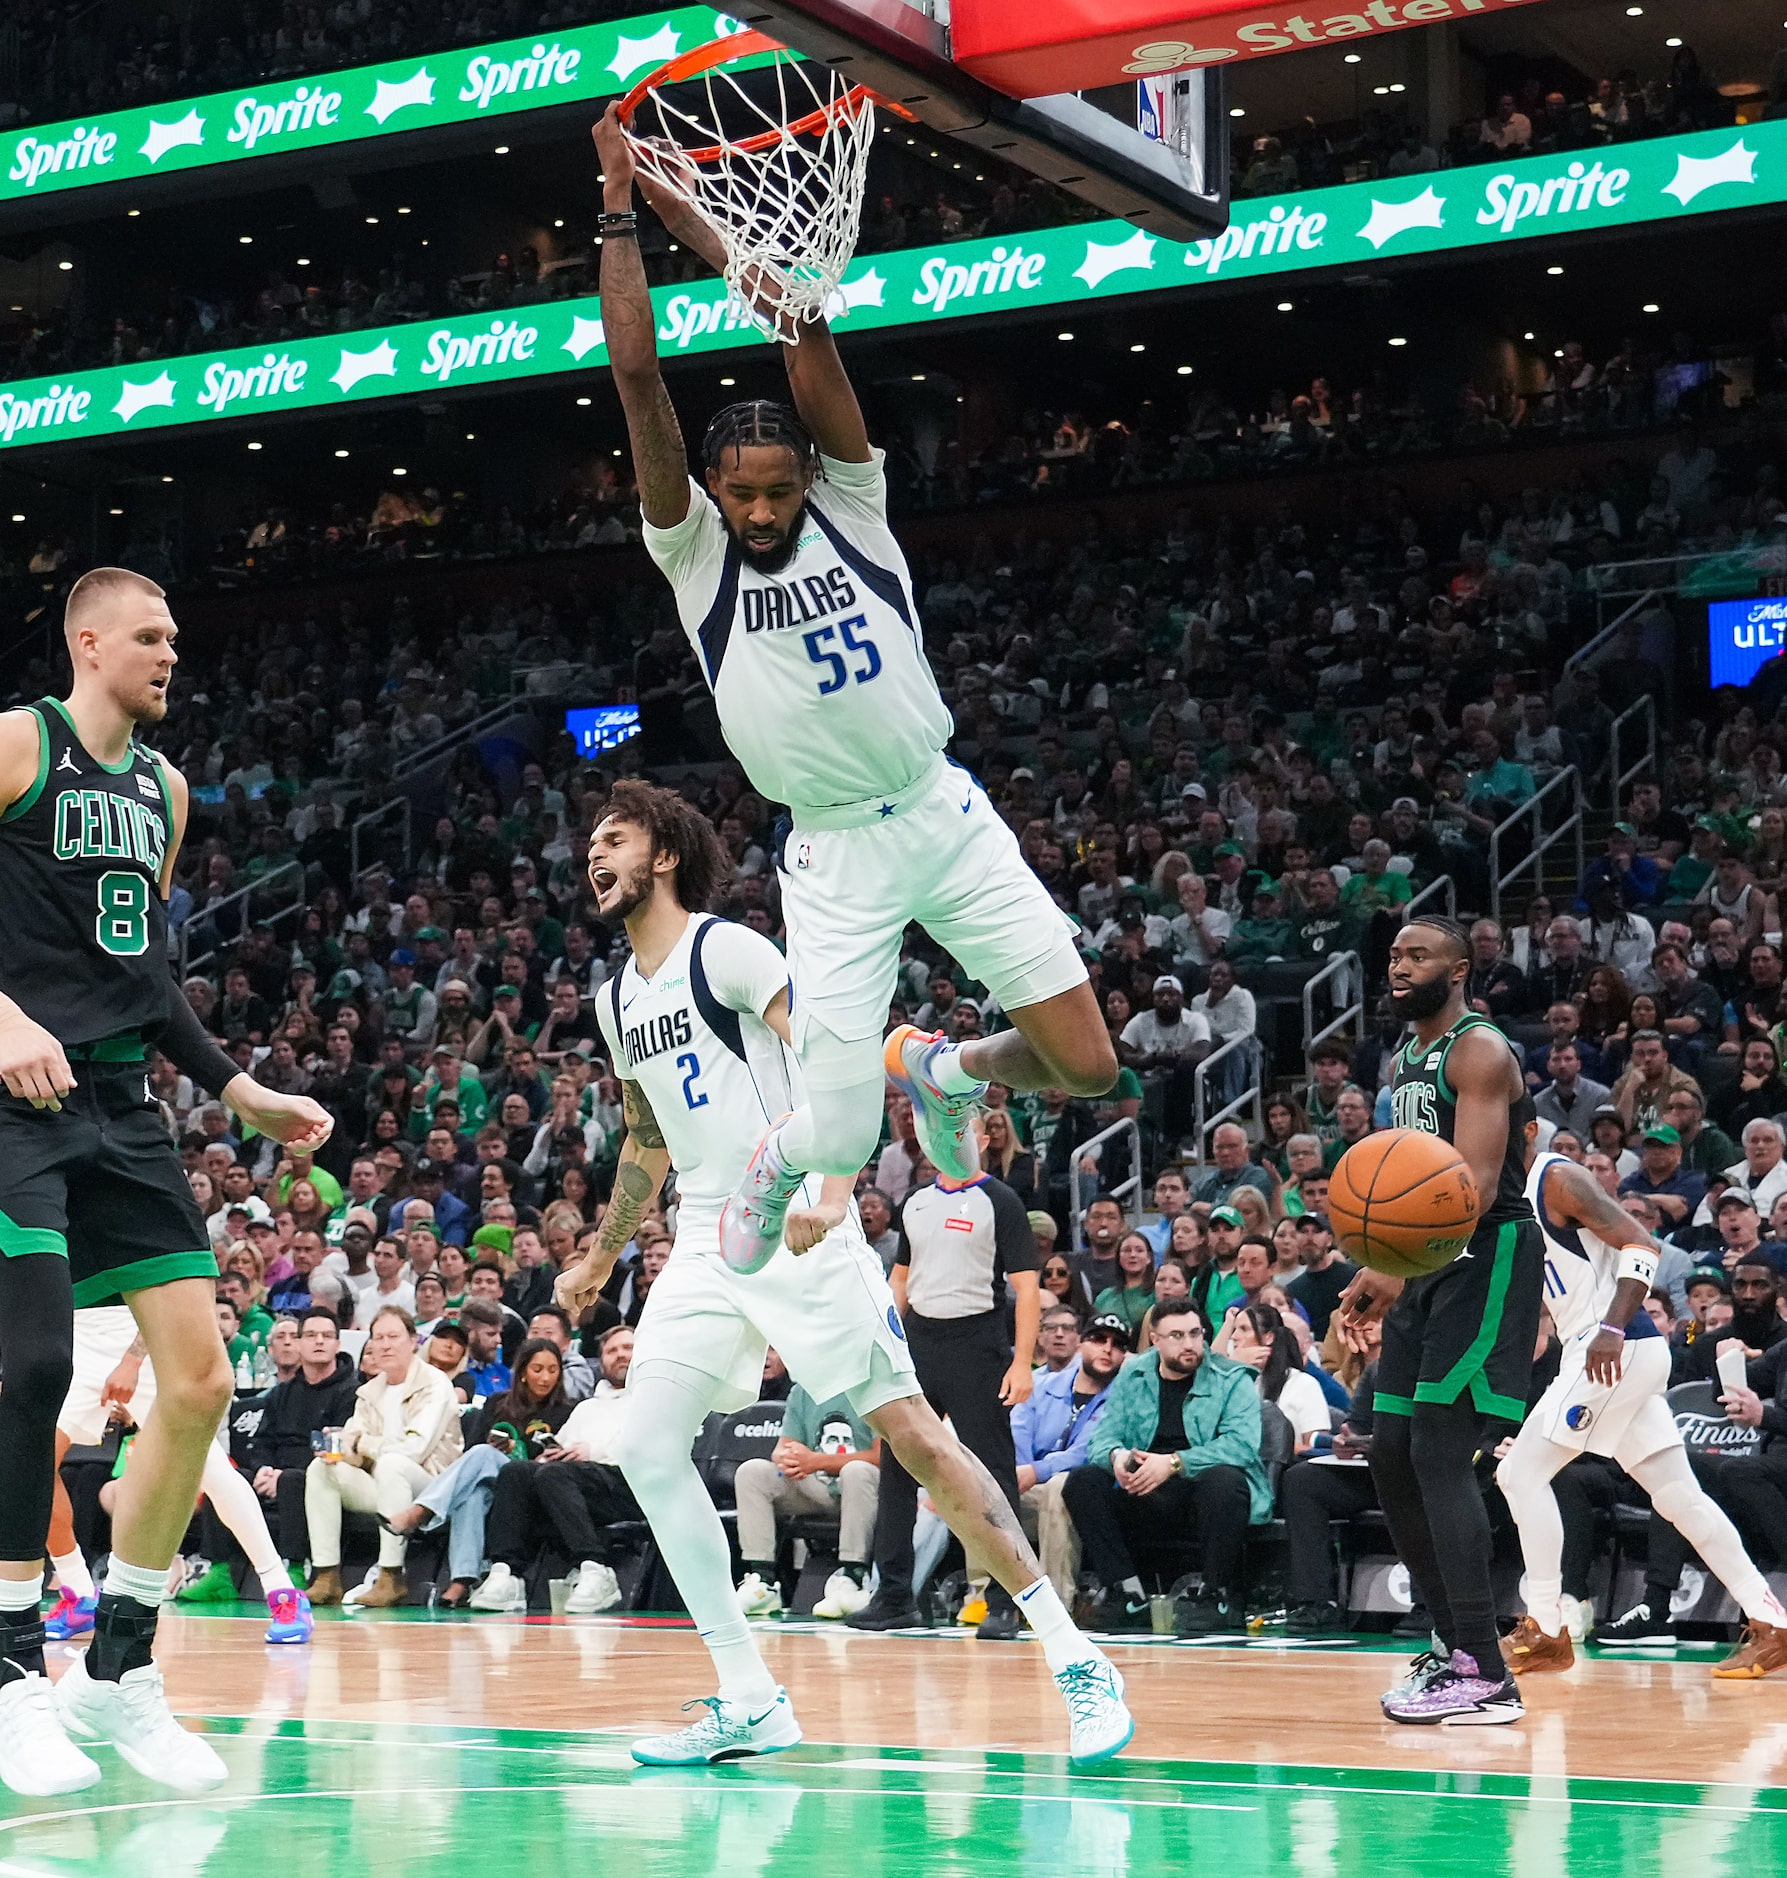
(586, 335)
(389, 98)
(631, 54)
(165, 137)
(1105, 258)
(380, 362)
(868, 289)
(135, 398)
(1390, 219)
(1695, 175)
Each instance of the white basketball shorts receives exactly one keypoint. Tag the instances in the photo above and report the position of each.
(1627, 1422)
(101, 1336)
(828, 1313)
(940, 856)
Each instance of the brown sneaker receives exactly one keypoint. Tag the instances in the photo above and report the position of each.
(388, 1588)
(1527, 1649)
(325, 1587)
(1761, 1649)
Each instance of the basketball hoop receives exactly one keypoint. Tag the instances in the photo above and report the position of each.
(779, 176)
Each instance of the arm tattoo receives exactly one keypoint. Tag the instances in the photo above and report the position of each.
(633, 1188)
(642, 1124)
(138, 1348)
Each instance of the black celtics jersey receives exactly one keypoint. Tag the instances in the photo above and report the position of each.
(1422, 1098)
(83, 928)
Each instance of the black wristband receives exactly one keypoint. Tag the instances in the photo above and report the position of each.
(618, 221)
(186, 1044)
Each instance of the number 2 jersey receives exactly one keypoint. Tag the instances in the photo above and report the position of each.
(1582, 1271)
(83, 927)
(818, 671)
(692, 1037)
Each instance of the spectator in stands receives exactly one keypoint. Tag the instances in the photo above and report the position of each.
(1177, 1453)
(1230, 1012)
(1172, 1195)
(1569, 1100)
(320, 1395)
(1760, 1090)
(1705, 1149)
(827, 1460)
(1215, 1287)
(1167, 1044)
(1058, 1334)
(404, 1430)
(1755, 1322)
(1495, 987)
(1131, 1296)
(485, 1373)
(1642, 1094)
(1326, 1273)
(1673, 1189)
(877, 1224)
(1231, 1168)
(1741, 1234)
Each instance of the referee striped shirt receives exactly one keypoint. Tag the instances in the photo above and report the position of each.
(958, 1244)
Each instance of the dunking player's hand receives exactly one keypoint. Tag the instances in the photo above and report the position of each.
(807, 1225)
(1363, 1302)
(293, 1120)
(32, 1064)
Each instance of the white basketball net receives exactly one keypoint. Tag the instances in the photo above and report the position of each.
(779, 177)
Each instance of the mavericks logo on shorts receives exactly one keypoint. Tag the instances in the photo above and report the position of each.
(1578, 1417)
(894, 1324)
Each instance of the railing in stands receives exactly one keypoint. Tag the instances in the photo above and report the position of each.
(1127, 1193)
(1543, 841)
(1236, 1048)
(449, 741)
(398, 806)
(1445, 888)
(243, 909)
(1346, 974)
(1591, 653)
(1644, 711)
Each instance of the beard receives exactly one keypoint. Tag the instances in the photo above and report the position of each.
(1422, 1001)
(634, 891)
(769, 560)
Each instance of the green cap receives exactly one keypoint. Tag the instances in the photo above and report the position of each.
(431, 932)
(1268, 887)
(1230, 847)
(1043, 1224)
(1227, 1215)
(1626, 829)
(498, 1238)
(1661, 1131)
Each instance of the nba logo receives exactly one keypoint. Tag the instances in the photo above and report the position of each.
(803, 854)
(1578, 1417)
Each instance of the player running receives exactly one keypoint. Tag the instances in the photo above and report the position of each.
(1608, 1398)
(796, 599)
(94, 1202)
(112, 1373)
(697, 1022)
(1458, 1343)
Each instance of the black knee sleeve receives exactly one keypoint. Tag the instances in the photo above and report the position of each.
(37, 1360)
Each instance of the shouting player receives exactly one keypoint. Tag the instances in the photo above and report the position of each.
(94, 1202)
(697, 1021)
(797, 602)
(1458, 1343)
(1607, 1398)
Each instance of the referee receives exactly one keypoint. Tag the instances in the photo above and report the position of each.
(959, 1245)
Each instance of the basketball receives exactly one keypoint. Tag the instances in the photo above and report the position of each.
(1402, 1202)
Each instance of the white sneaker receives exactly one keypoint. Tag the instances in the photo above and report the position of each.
(37, 1758)
(1578, 1615)
(843, 1597)
(500, 1591)
(727, 1732)
(1101, 1724)
(596, 1589)
(357, 1592)
(757, 1599)
(133, 1715)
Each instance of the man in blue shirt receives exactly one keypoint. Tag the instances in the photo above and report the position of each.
(485, 1372)
(1172, 1195)
(1675, 1190)
(1052, 1431)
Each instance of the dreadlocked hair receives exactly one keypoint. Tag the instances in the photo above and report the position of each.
(1455, 930)
(759, 421)
(675, 827)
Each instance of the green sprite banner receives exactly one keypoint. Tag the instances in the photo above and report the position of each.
(315, 112)
(1449, 210)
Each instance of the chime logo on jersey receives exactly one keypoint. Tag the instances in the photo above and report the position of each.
(656, 1035)
(94, 824)
(776, 606)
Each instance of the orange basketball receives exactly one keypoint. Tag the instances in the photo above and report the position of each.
(1402, 1202)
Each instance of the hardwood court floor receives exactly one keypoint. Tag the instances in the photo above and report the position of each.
(433, 1747)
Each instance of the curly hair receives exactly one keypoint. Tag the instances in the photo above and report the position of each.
(702, 865)
(759, 421)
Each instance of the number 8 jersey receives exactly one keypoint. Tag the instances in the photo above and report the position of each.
(83, 927)
(818, 671)
(692, 1036)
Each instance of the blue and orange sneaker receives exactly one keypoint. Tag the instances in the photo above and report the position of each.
(71, 1616)
(751, 1225)
(945, 1123)
(292, 1621)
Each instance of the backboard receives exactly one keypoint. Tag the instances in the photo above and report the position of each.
(1153, 149)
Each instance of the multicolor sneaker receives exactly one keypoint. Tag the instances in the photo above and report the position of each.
(1760, 1651)
(1420, 1672)
(727, 1732)
(944, 1122)
(751, 1225)
(1460, 1696)
(1101, 1724)
(70, 1616)
(1529, 1649)
(292, 1621)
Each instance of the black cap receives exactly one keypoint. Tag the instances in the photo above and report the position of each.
(447, 1328)
(426, 1169)
(1314, 1219)
(1108, 1323)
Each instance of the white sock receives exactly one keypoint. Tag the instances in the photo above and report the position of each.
(72, 1574)
(235, 1502)
(1525, 1479)
(142, 1584)
(21, 1594)
(1063, 1642)
(947, 1072)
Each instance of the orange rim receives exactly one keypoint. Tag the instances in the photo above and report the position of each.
(699, 59)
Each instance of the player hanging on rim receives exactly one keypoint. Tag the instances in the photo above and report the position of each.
(697, 1022)
(796, 599)
(94, 1203)
(1458, 1343)
(1608, 1398)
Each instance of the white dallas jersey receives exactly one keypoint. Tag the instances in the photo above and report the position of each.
(818, 671)
(1582, 1271)
(693, 1038)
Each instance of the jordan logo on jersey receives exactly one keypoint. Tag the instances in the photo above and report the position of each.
(656, 1035)
(776, 606)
